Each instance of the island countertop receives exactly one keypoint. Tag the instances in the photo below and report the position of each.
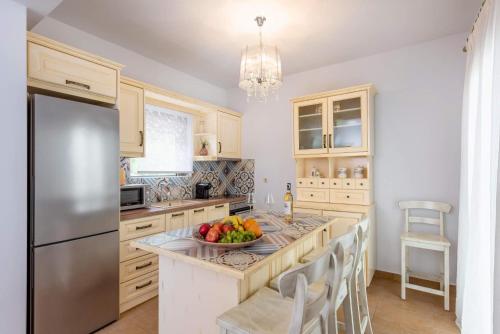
(279, 237)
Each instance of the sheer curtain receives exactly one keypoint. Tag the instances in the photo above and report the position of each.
(478, 180)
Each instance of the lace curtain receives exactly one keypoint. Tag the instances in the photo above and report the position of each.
(168, 143)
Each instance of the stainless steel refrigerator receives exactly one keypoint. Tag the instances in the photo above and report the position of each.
(74, 216)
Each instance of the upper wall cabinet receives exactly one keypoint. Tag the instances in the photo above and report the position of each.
(229, 135)
(220, 133)
(334, 123)
(55, 67)
(131, 108)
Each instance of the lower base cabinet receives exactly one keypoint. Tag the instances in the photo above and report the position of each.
(138, 268)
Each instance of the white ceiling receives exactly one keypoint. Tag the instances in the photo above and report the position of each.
(204, 37)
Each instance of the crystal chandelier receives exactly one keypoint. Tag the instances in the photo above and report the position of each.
(260, 72)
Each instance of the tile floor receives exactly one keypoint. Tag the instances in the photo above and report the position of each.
(421, 313)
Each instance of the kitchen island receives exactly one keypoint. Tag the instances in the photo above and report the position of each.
(198, 283)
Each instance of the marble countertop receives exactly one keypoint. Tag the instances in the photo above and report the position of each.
(190, 204)
(278, 236)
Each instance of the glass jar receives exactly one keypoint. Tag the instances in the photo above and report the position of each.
(342, 173)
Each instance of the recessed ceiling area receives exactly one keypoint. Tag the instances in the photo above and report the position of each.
(204, 38)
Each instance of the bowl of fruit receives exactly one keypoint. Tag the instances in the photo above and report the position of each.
(230, 232)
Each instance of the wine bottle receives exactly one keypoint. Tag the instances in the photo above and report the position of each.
(288, 199)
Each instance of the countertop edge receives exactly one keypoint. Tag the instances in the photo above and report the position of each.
(154, 211)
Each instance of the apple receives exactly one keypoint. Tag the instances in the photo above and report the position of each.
(204, 228)
(212, 235)
(227, 227)
(218, 227)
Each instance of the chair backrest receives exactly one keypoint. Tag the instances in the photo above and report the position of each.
(294, 284)
(439, 207)
(346, 248)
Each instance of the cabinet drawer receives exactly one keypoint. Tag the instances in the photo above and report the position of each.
(336, 183)
(313, 195)
(305, 182)
(128, 252)
(138, 290)
(136, 228)
(323, 183)
(349, 197)
(70, 74)
(198, 216)
(343, 214)
(218, 212)
(137, 267)
(348, 184)
(361, 184)
(177, 220)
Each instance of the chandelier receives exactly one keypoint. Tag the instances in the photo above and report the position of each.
(260, 71)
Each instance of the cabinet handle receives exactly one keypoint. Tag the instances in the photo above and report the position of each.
(178, 214)
(141, 133)
(312, 195)
(324, 141)
(361, 184)
(219, 206)
(143, 227)
(144, 265)
(199, 210)
(330, 144)
(79, 84)
(220, 146)
(138, 287)
(348, 196)
(348, 183)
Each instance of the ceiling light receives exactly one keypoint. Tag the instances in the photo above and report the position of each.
(260, 72)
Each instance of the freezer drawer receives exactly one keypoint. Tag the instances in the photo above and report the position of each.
(76, 285)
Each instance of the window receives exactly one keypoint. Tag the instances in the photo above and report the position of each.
(168, 143)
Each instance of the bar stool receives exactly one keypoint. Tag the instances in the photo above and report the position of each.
(425, 241)
(269, 311)
(358, 284)
(345, 247)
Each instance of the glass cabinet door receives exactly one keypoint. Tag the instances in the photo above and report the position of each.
(347, 123)
(310, 130)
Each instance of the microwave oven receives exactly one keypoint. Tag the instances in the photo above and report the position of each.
(134, 196)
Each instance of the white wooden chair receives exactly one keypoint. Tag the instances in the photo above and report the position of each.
(425, 241)
(269, 311)
(361, 311)
(345, 247)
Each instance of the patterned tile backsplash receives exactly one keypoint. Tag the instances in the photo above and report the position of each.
(233, 177)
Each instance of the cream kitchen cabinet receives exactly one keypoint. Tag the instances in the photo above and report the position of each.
(335, 123)
(217, 212)
(229, 136)
(53, 66)
(138, 268)
(198, 216)
(177, 220)
(131, 108)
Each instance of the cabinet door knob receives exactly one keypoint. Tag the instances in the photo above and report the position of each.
(348, 196)
(348, 184)
(312, 195)
(361, 183)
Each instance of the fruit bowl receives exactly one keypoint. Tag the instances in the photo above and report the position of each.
(199, 238)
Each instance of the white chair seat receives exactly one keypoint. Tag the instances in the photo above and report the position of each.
(426, 238)
(266, 312)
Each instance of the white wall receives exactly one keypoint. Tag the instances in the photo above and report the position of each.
(417, 133)
(13, 243)
(136, 66)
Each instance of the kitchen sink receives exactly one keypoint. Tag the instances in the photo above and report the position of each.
(172, 204)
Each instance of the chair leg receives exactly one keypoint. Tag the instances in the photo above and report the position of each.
(223, 331)
(348, 317)
(353, 292)
(363, 302)
(447, 279)
(333, 327)
(403, 271)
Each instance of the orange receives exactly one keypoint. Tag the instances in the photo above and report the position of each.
(252, 226)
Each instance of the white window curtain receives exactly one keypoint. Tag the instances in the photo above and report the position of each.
(478, 180)
(168, 143)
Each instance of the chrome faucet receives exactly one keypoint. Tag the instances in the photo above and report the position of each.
(164, 190)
